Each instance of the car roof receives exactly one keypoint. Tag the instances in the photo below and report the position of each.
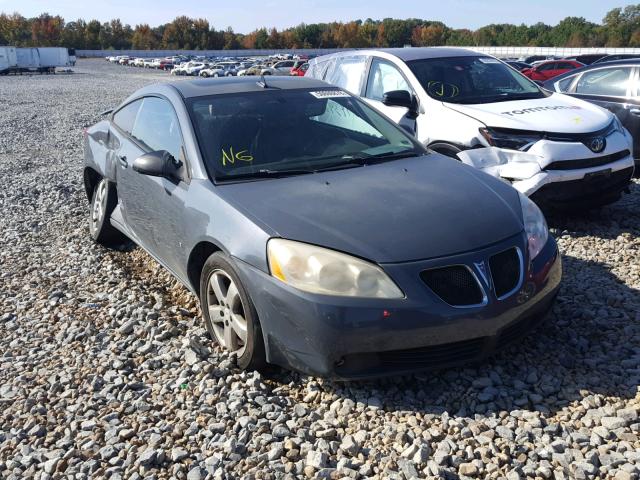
(218, 86)
(414, 53)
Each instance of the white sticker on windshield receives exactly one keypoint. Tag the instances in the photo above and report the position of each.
(488, 60)
(329, 94)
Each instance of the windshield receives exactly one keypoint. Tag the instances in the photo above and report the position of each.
(280, 132)
(472, 80)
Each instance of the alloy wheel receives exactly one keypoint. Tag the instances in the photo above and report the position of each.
(226, 312)
(99, 205)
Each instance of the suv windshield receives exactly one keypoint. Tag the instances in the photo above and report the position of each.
(289, 132)
(472, 80)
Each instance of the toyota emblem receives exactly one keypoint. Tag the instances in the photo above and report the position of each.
(597, 144)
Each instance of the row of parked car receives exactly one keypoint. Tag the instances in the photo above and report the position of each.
(281, 64)
(541, 68)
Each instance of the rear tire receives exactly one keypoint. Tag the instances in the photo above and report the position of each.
(103, 202)
(229, 313)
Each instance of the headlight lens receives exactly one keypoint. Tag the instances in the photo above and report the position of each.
(535, 226)
(320, 270)
(507, 139)
(616, 126)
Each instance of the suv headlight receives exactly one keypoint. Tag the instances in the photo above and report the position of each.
(615, 126)
(535, 226)
(320, 270)
(510, 139)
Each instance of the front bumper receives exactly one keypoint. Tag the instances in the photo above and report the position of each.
(359, 338)
(558, 163)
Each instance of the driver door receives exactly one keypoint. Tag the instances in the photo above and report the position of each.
(154, 206)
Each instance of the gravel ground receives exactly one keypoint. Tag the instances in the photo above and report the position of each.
(106, 370)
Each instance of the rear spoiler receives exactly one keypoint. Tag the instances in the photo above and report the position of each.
(106, 112)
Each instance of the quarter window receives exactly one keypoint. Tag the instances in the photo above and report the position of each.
(564, 84)
(606, 81)
(384, 77)
(157, 127)
(126, 116)
(347, 73)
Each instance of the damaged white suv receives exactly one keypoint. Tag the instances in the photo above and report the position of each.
(559, 150)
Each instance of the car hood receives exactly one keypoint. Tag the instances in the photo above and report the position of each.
(397, 211)
(556, 113)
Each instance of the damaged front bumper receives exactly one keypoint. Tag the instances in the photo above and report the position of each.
(551, 162)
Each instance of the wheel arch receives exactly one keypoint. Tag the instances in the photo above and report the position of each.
(446, 148)
(198, 256)
(91, 179)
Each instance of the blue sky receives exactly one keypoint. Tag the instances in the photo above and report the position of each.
(247, 15)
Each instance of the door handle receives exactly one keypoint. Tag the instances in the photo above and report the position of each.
(123, 161)
(635, 111)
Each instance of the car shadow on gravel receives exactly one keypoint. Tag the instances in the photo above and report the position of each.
(608, 222)
(587, 346)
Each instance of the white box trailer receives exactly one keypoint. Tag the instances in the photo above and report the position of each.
(28, 59)
(8, 60)
(52, 57)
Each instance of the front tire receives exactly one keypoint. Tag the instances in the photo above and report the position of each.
(103, 202)
(229, 313)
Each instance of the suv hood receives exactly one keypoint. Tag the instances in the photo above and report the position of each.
(397, 211)
(556, 113)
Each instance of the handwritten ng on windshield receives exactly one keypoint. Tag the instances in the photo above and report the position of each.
(231, 156)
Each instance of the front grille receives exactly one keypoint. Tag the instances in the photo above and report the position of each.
(456, 285)
(519, 329)
(505, 271)
(597, 190)
(436, 356)
(587, 162)
(458, 352)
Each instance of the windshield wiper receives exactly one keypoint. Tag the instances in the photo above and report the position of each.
(267, 173)
(363, 158)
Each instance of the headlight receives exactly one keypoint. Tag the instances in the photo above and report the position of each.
(509, 139)
(320, 270)
(535, 226)
(616, 126)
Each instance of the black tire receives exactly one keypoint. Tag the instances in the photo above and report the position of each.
(253, 355)
(100, 227)
(446, 149)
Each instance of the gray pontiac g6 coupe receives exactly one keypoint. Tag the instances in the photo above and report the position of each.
(317, 234)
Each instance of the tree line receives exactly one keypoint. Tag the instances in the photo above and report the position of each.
(619, 28)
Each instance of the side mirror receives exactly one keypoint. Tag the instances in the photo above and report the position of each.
(157, 164)
(401, 98)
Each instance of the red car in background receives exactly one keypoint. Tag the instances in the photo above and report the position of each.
(299, 69)
(549, 69)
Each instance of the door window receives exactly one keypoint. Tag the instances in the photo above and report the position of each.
(565, 66)
(347, 73)
(611, 82)
(547, 67)
(157, 127)
(126, 116)
(384, 77)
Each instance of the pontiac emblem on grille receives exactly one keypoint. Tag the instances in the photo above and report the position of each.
(597, 144)
(482, 269)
